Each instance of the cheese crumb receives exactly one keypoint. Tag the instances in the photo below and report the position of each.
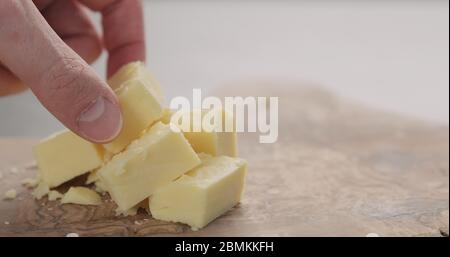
(10, 194)
(99, 190)
(81, 195)
(6, 222)
(100, 187)
(130, 212)
(54, 195)
(14, 170)
(30, 182)
(72, 235)
(41, 190)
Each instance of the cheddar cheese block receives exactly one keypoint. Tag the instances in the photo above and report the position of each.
(152, 161)
(64, 156)
(202, 194)
(136, 70)
(214, 140)
(140, 108)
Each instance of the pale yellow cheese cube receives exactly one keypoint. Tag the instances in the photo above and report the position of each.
(64, 156)
(81, 195)
(152, 161)
(136, 70)
(140, 108)
(216, 142)
(202, 194)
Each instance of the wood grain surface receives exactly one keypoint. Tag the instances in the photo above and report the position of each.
(337, 169)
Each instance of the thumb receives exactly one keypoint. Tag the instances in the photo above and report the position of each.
(66, 85)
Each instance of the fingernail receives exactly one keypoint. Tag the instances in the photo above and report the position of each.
(101, 121)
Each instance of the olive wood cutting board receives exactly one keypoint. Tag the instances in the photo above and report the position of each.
(338, 169)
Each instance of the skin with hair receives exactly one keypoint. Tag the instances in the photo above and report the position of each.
(47, 46)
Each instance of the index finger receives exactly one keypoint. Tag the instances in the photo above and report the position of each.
(123, 30)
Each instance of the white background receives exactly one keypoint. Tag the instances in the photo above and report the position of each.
(392, 55)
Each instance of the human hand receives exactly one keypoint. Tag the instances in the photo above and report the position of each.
(47, 45)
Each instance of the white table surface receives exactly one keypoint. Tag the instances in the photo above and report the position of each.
(389, 55)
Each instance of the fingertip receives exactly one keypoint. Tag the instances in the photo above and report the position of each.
(101, 121)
